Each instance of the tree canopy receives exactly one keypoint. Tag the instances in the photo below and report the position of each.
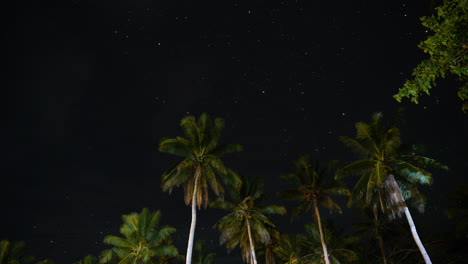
(447, 50)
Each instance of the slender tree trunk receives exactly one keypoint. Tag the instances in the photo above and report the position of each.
(398, 200)
(188, 259)
(382, 248)
(414, 232)
(379, 237)
(252, 248)
(322, 239)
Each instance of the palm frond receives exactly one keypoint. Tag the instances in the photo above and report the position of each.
(177, 146)
(358, 167)
(273, 209)
(355, 146)
(117, 241)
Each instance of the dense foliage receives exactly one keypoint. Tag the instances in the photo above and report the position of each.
(447, 50)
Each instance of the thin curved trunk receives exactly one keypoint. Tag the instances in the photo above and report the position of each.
(188, 259)
(322, 239)
(382, 248)
(252, 248)
(379, 238)
(398, 200)
(414, 232)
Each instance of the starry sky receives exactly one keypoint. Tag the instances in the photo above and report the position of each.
(93, 86)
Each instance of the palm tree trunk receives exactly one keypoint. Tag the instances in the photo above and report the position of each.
(322, 239)
(398, 199)
(379, 238)
(188, 259)
(414, 232)
(252, 248)
(382, 249)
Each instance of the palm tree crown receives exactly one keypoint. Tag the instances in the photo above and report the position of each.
(11, 252)
(143, 240)
(380, 156)
(311, 189)
(247, 224)
(201, 151)
(309, 185)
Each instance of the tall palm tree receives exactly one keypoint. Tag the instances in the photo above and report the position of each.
(143, 241)
(247, 224)
(382, 157)
(310, 189)
(339, 245)
(201, 165)
(11, 252)
(378, 226)
(201, 254)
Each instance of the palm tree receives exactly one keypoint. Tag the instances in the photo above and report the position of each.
(310, 190)
(338, 245)
(89, 259)
(12, 253)
(291, 248)
(143, 240)
(201, 254)
(379, 227)
(382, 158)
(247, 224)
(266, 252)
(201, 165)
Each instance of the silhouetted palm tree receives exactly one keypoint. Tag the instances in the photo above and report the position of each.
(381, 159)
(201, 165)
(310, 190)
(201, 254)
(144, 241)
(338, 245)
(247, 224)
(291, 248)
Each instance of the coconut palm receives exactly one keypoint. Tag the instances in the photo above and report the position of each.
(378, 226)
(265, 253)
(291, 248)
(11, 252)
(310, 189)
(338, 245)
(247, 223)
(382, 157)
(201, 254)
(144, 241)
(201, 165)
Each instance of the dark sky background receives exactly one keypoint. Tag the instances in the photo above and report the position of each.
(93, 85)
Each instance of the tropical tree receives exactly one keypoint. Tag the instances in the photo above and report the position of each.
(378, 226)
(310, 190)
(291, 248)
(381, 158)
(144, 241)
(201, 254)
(447, 49)
(338, 245)
(265, 253)
(89, 259)
(201, 165)
(247, 223)
(11, 252)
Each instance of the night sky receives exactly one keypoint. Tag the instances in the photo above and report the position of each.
(93, 85)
